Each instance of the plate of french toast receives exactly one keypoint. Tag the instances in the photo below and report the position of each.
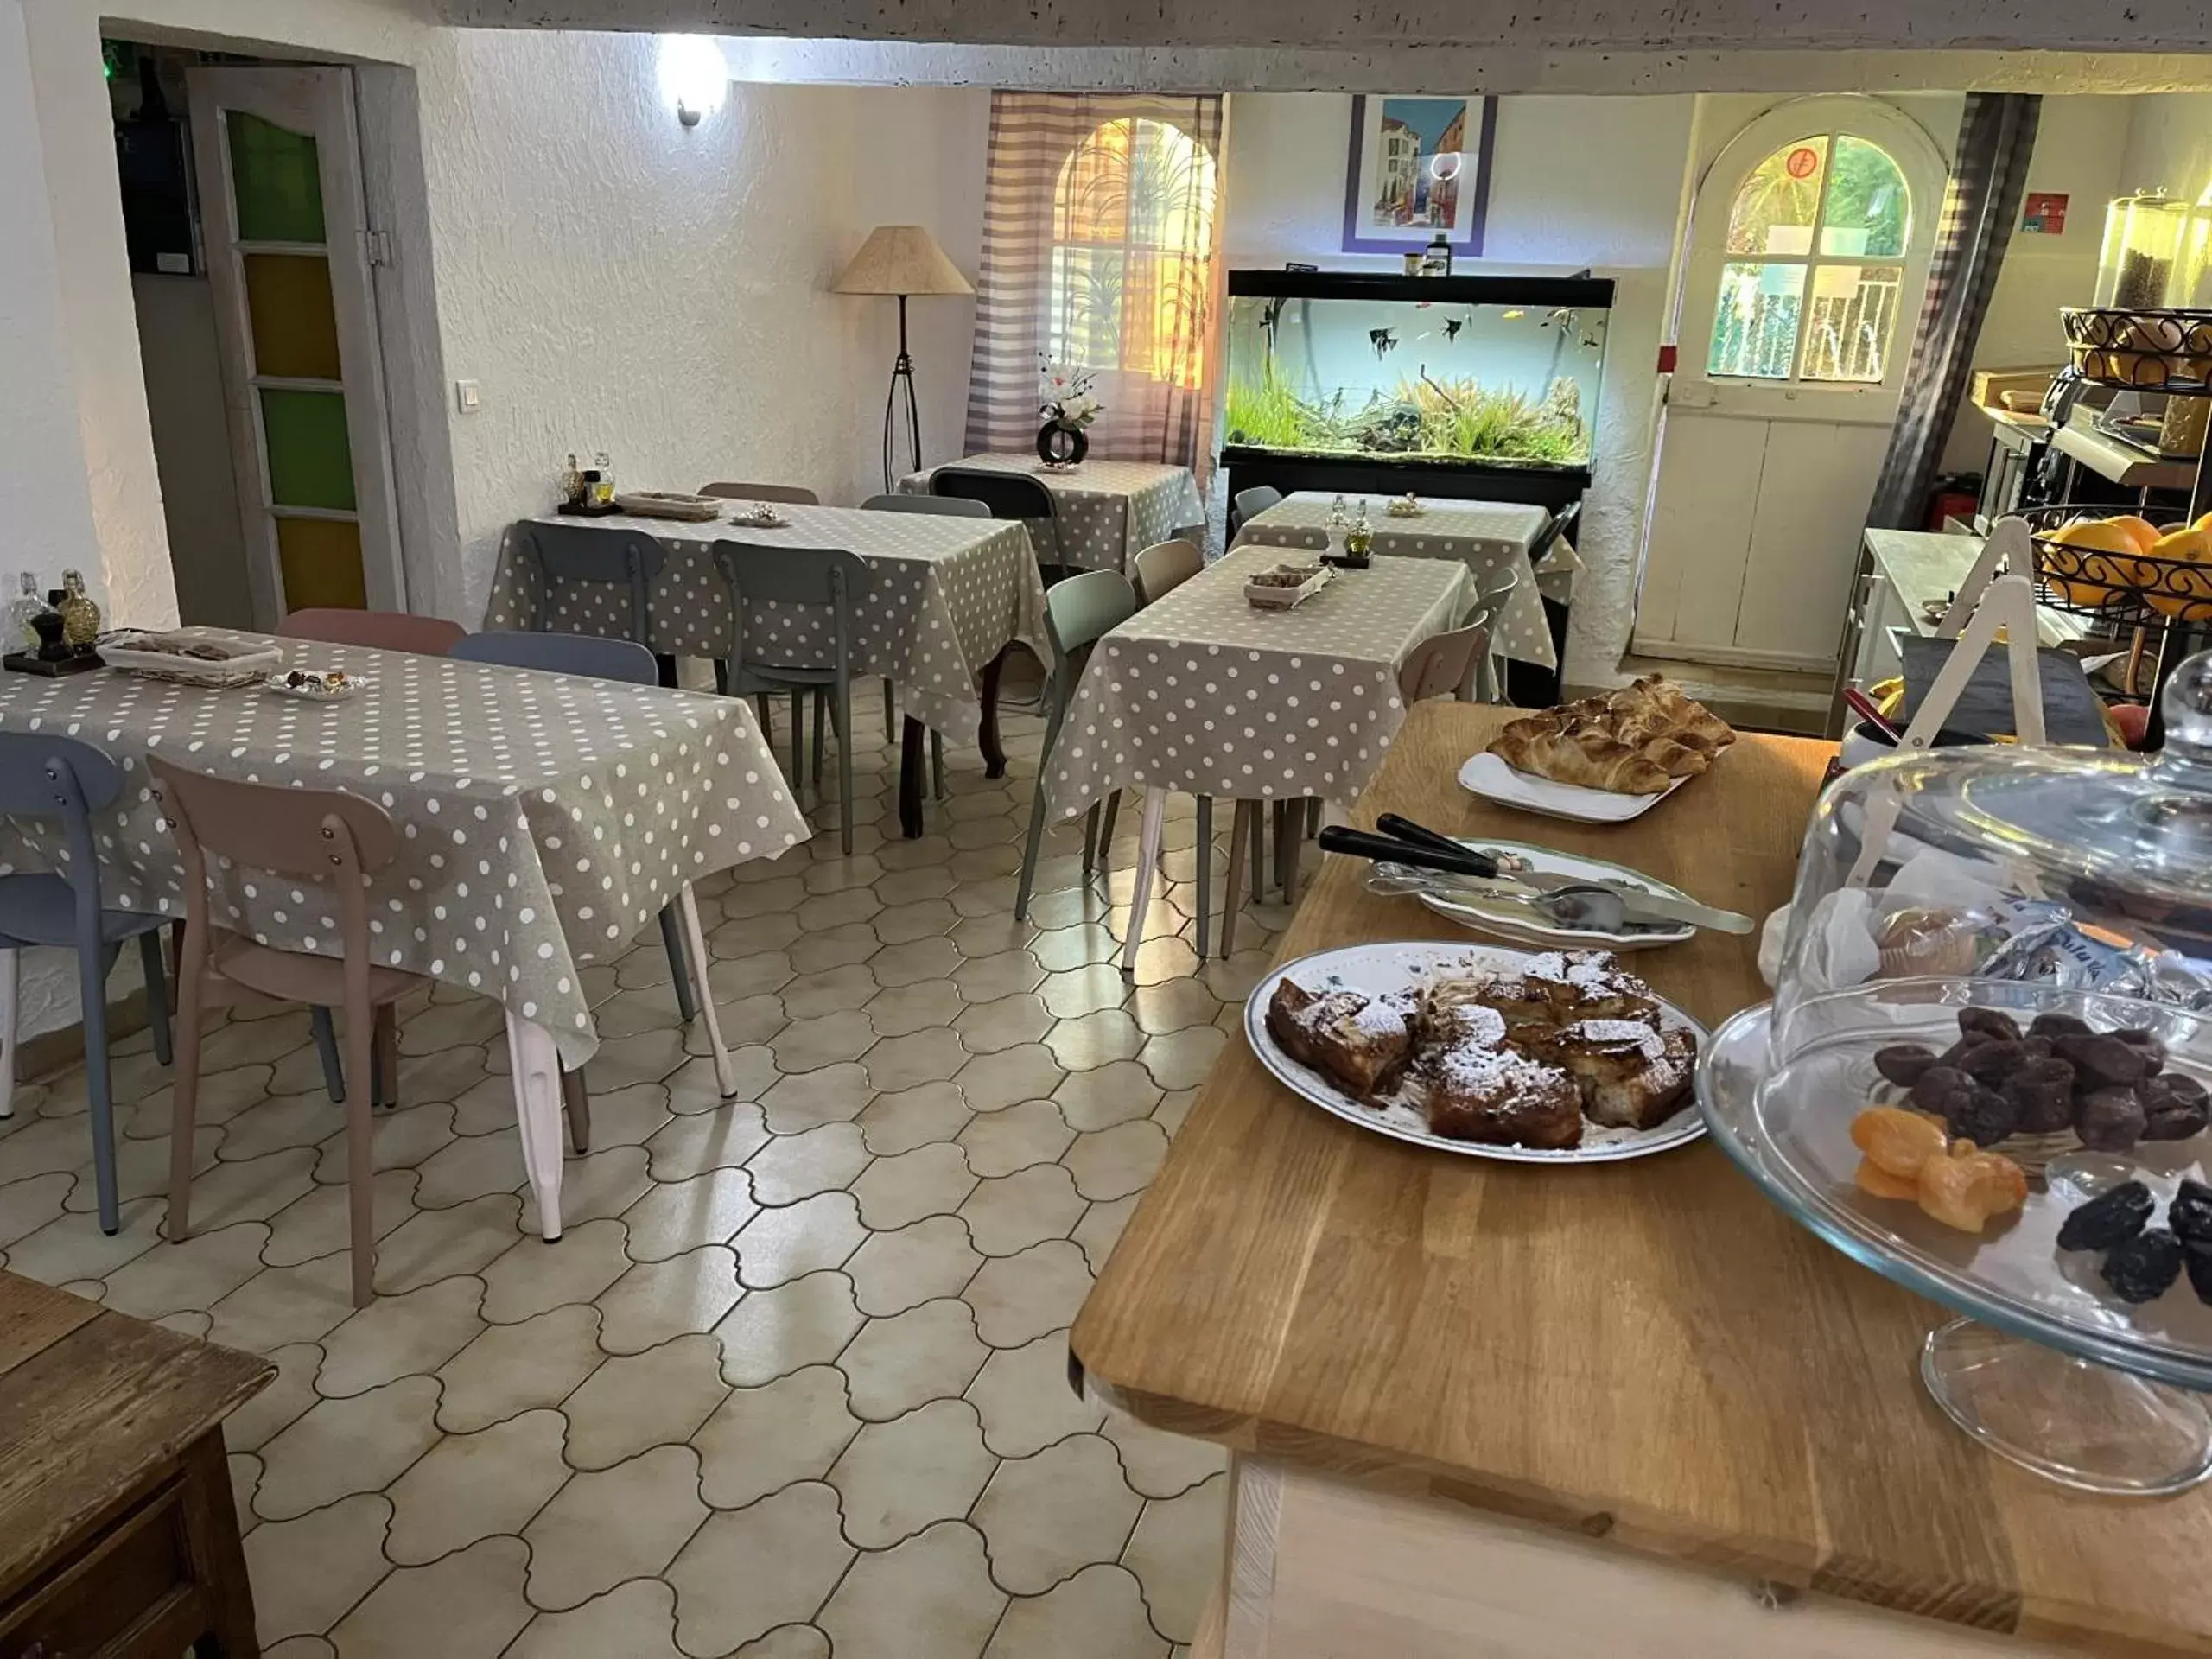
(1602, 759)
(1534, 1057)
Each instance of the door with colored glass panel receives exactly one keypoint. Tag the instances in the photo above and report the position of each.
(286, 229)
(1807, 255)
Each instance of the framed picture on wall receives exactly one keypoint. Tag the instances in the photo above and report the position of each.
(1418, 166)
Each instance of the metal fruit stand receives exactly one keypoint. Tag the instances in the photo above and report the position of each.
(2147, 602)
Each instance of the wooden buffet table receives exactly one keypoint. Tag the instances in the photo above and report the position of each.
(119, 1536)
(1479, 1409)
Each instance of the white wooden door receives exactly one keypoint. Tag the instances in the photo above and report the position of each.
(1807, 257)
(277, 154)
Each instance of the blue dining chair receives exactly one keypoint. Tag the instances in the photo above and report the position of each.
(589, 656)
(45, 777)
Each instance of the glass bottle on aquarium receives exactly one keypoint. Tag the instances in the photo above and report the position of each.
(1428, 371)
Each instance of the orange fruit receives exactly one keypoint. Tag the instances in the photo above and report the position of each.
(2205, 522)
(2194, 546)
(2144, 532)
(2090, 580)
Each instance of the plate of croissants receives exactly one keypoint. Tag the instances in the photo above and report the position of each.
(1534, 1057)
(1601, 759)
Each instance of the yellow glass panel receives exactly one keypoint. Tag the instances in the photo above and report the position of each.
(295, 324)
(321, 561)
(1774, 209)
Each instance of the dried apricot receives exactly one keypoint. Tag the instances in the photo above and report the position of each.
(1874, 1179)
(1964, 1190)
(1897, 1140)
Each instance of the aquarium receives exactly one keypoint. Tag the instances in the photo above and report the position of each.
(1456, 372)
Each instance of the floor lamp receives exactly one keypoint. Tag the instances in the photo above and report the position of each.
(901, 260)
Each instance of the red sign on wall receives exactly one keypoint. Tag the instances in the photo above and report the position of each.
(1803, 162)
(2044, 213)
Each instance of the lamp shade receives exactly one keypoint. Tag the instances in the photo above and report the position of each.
(901, 259)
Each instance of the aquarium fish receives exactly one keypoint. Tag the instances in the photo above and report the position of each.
(1382, 340)
(1590, 340)
(1514, 315)
(1451, 328)
(1272, 315)
(1562, 320)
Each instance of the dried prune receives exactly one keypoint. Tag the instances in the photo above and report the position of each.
(1955, 1055)
(1982, 1116)
(2198, 1260)
(1903, 1062)
(1992, 1062)
(2058, 1025)
(2145, 1267)
(2109, 1218)
(2174, 1107)
(2037, 1048)
(1993, 1022)
(2109, 1120)
(2101, 1060)
(2190, 1213)
(1935, 1086)
(2043, 1092)
(2144, 1042)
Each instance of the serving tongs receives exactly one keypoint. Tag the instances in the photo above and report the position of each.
(1412, 858)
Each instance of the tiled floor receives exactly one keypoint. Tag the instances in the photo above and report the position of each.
(794, 1382)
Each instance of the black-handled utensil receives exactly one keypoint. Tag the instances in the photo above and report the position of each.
(1416, 835)
(1357, 843)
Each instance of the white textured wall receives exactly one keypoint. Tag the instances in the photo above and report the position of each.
(615, 280)
(2170, 145)
(1575, 181)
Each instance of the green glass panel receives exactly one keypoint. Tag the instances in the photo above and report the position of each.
(294, 322)
(273, 178)
(310, 461)
(1868, 211)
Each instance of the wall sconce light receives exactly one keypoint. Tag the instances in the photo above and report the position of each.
(694, 76)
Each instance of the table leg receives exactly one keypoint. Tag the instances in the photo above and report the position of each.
(536, 1065)
(988, 738)
(1204, 872)
(211, 1526)
(909, 780)
(11, 968)
(1232, 894)
(1155, 824)
(695, 944)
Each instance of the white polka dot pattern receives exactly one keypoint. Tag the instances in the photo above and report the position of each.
(1110, 511)
(949, 595)
(544, 820)
(1488, 536)
(1204, 693)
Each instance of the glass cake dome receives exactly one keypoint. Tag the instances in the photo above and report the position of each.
(1993, 1007)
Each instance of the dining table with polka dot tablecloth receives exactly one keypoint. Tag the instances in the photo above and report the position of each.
(1489, 537)
(1107, 512)
(950, 594)
(1204, 693)
(545, 821)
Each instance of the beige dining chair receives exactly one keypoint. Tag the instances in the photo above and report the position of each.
(797, 495)
(1165, 565)
(424, 636)
(1444, 664)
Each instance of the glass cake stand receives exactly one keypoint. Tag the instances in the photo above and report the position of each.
(2046, 1367)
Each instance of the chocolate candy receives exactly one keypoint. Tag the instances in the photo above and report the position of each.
(2102, 1061)
(1903, 1062)
(1988, 1022)
(2174, 1107)
(2109, 1120)
(2043, 1093)
(2058, 1025)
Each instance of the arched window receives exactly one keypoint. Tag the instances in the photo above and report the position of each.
(1132, 233)
(1817, 237)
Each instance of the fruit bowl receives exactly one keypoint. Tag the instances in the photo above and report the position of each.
(2129, 567)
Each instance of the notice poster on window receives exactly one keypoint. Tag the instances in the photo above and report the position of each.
(2043, 213)
(1418, 166)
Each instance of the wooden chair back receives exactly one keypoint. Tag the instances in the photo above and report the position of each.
(1165, 565)
(585, 655)
(425, 636)
(796, 494)
(950, 506)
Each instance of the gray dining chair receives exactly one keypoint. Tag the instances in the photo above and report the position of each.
(1165, 565)
(1077, 612)
(833, 579)
(1486, 683)
(589, 656)
(49, 777)
(950, 506)
(599, 555)
(1249, 503)
(795, 495)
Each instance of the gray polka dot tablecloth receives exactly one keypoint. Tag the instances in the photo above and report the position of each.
(1489, 537)
(1110, 511)
(950, 593)
(544, 820)
(1204, 693)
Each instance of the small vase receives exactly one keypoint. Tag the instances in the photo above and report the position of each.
(1060, 444)
(80, 617)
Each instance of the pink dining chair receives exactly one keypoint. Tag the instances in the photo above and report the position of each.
(327, 836)
(796, 495)
(425, 636)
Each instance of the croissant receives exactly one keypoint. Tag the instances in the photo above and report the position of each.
(1675, 759)
(1684, 711)
(1588, 758)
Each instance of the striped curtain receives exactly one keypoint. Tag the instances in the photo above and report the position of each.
(1101, 235)
(1997, 136)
